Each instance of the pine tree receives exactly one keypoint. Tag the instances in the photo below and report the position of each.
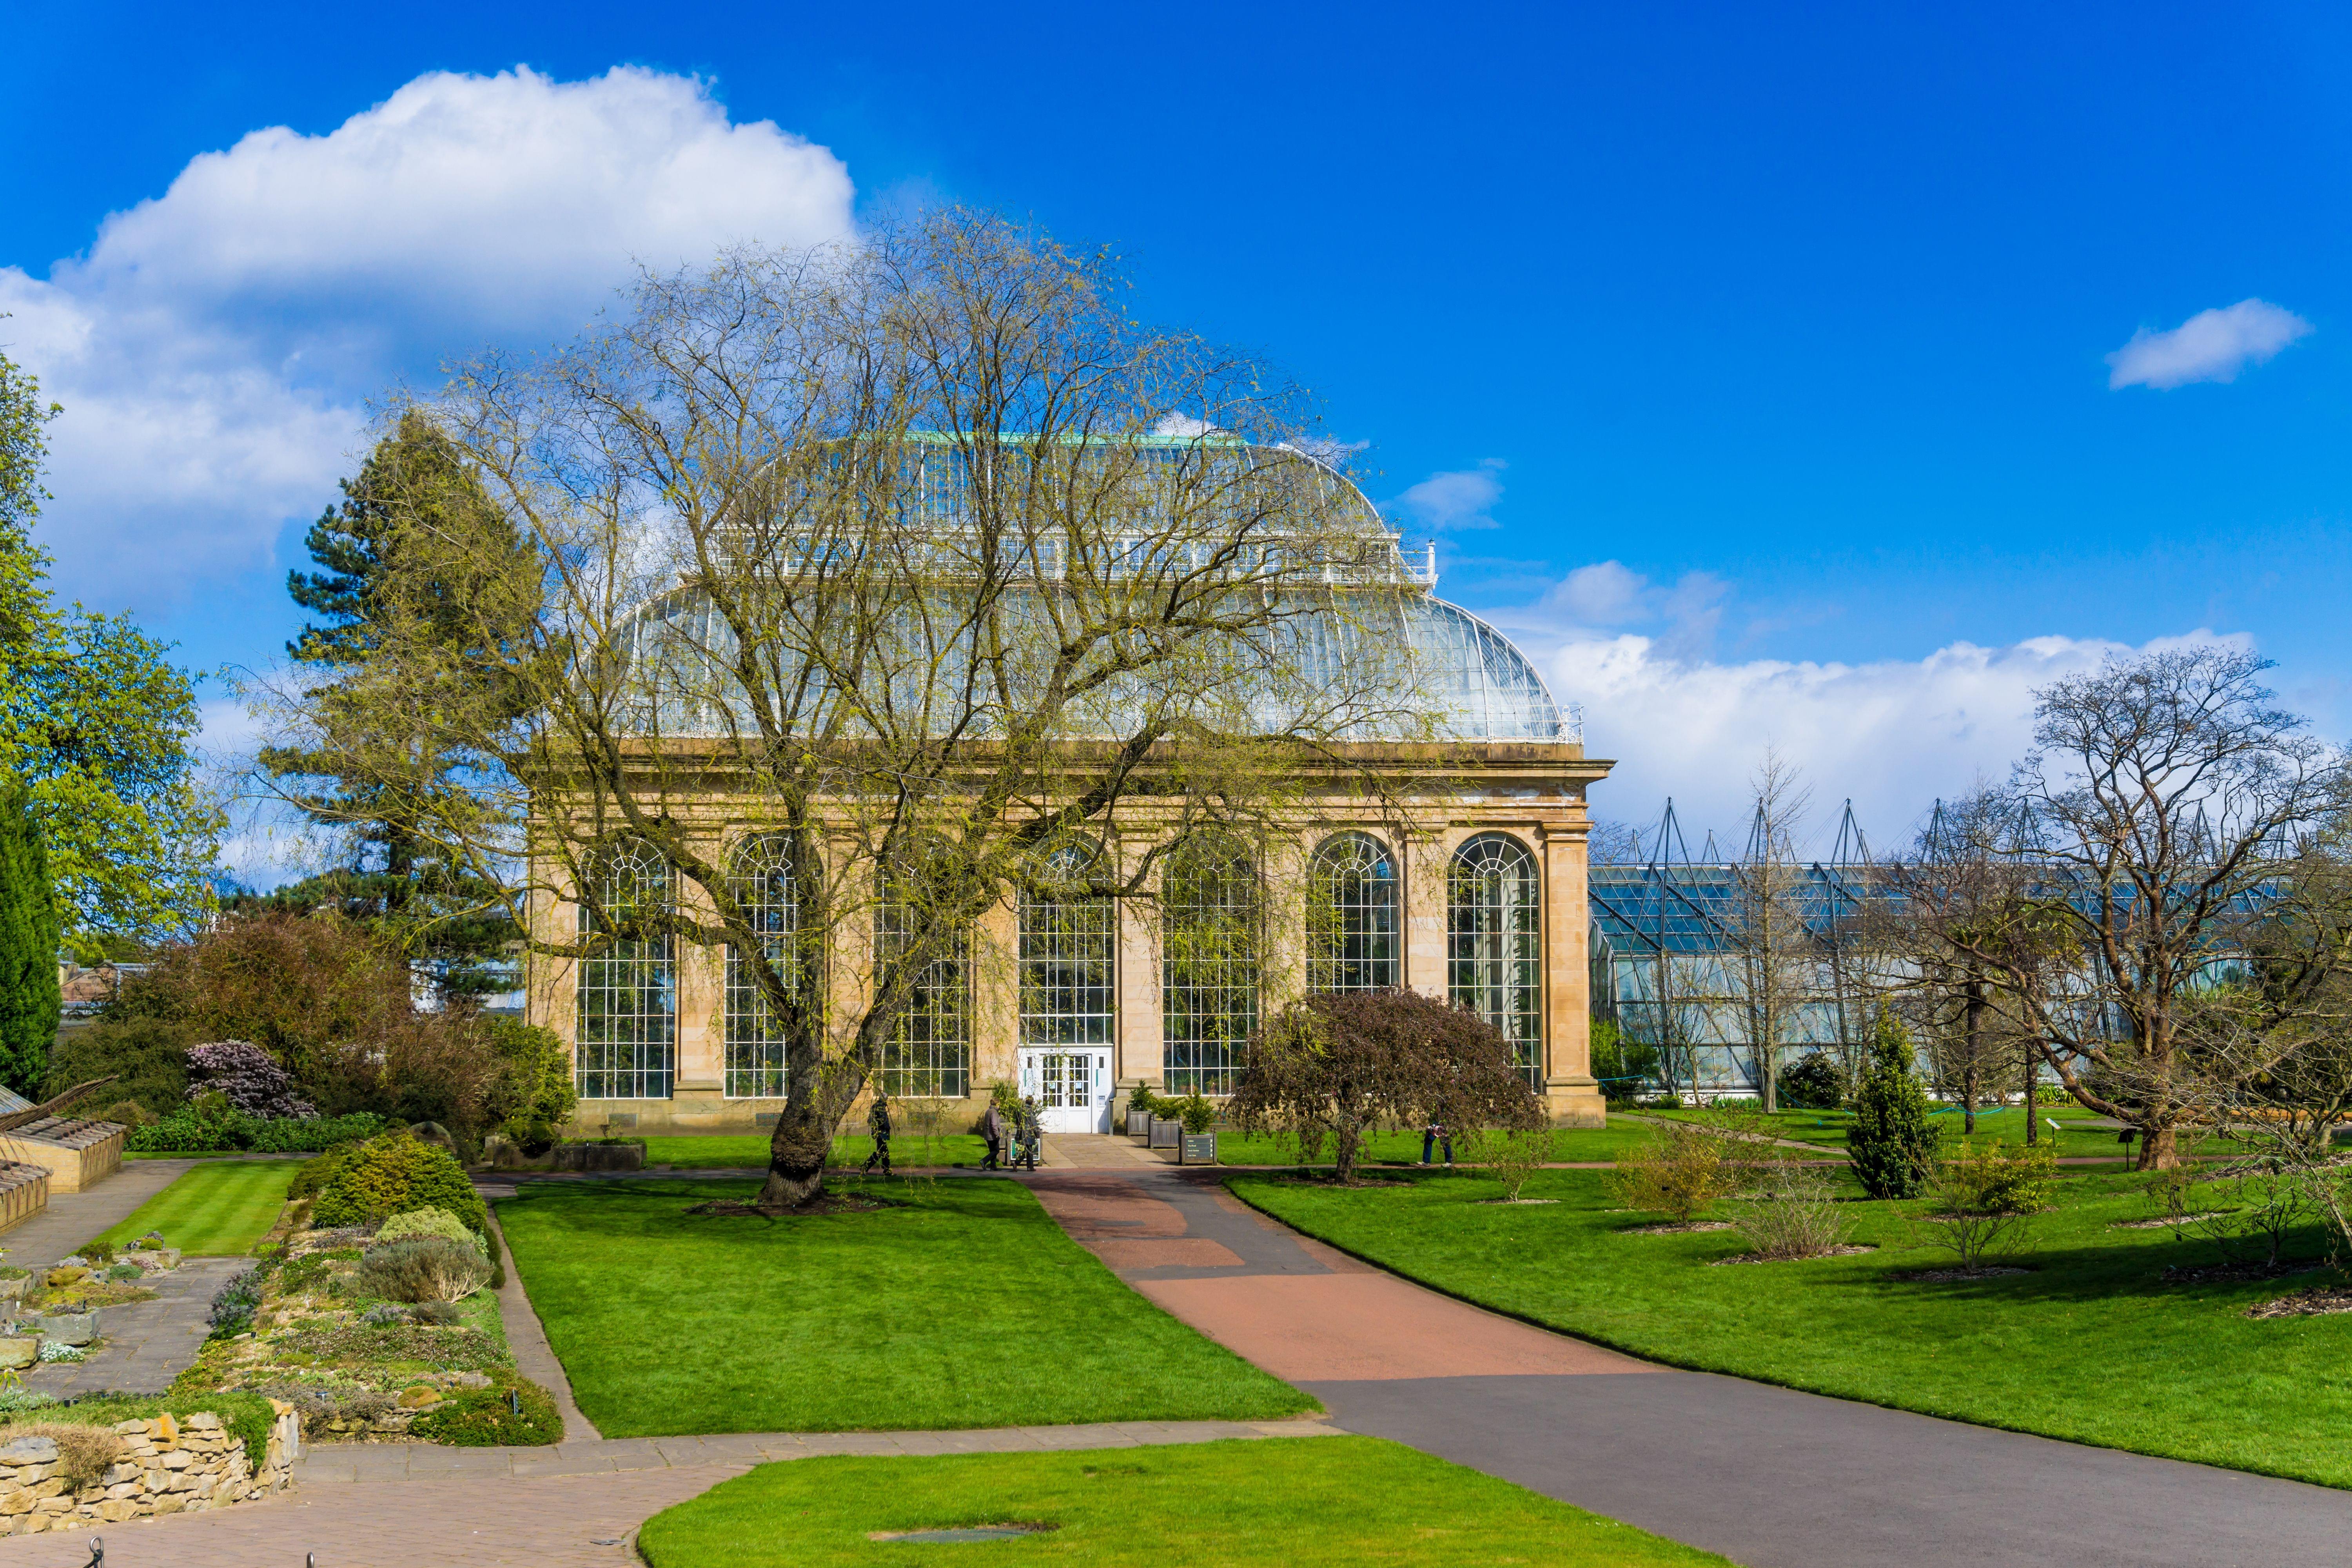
(29, 936)
(373, 788)
(1892, 1142)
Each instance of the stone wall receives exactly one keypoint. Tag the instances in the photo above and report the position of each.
(163, 1465)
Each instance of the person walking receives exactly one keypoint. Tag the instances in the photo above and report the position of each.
(1430, 1137)
(878, 1123)
(992, 1127)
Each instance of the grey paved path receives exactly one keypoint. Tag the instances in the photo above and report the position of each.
(146, 1344)
(527, 1337)
(73, 1218)
(1768, 1476)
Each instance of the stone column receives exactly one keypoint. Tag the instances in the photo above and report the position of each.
(1570, 1094)
(697, 1101)
(1140, 1055)
(995, 1000)
(1423, 859)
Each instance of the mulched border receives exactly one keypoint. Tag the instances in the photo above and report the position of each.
(827, 1204)
(1677, 1228)
(2319, 1301)
(1958, 1276)
(1851, 1249)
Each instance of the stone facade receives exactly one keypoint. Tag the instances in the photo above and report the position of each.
(163, 1465)
(1530, 794)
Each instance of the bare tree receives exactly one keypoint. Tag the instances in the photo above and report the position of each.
(882, 587)
(2150, 828)
(1773, 947)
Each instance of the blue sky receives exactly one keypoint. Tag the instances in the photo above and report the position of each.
(1751, 365)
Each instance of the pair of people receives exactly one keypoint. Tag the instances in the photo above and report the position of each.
(1024, 1129)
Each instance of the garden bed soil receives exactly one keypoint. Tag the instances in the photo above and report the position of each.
(1677, 1227)
(1513, 1203)
(2320, 1300)
(2164, 1222)
(1960, 1276)
(825, 1204)
(1853, 1249)
(2234, 1273)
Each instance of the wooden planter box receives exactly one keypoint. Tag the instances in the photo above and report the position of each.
(1138, 1124)
(1165, 1132)
(1197, 1149)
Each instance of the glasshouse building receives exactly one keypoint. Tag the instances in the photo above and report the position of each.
(1474, 890)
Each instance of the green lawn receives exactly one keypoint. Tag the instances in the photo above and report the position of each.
(1403, 1148)
(214, 1210)
(966, 1308)
(2074, 1138)
(705, 1151)
(1299, 1503)
(2092, 1345)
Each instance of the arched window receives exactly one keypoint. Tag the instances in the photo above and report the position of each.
(1352, 917)
(1208, 961)
(762, 881)
(624, 1043)
(1493, 917)
(1069, 942)
(929, 1054)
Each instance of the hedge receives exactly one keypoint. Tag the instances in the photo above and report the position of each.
(190, 1132)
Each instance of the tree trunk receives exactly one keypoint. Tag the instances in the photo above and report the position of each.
(1976, 1007)
(798, 1150)
(2033, 1110)
(2159, 1149)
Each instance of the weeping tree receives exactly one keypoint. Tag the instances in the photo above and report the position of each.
(838, 598)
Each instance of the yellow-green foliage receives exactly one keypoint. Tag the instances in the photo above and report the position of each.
(362, 1184)
(428, 1221)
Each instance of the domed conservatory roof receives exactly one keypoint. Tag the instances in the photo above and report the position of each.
(1465, 679)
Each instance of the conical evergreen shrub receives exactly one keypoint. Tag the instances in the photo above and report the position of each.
(29, 1003)
(1892, 1142)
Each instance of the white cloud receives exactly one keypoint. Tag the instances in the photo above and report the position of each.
(1454, 498)
(1891, 734)
(2212, 345)
(215, 346)
(1609, 593)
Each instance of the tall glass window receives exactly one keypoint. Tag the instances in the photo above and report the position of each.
(1352, 917)
(1208, 963)
(929, 1054)
(625, 1028)
(1069, 951)
(763, 883)
(1493, 917)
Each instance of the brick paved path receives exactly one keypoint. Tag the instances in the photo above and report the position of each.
(413, 1505)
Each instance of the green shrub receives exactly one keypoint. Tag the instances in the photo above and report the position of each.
(392, 1174)
(1892, 1143)
(533, 1096)
(429, 1222)
(488, 1418)
(1197, 1114)
(422, 1268)
(1812, 1084)
(1139, 1098)
(192, 1130)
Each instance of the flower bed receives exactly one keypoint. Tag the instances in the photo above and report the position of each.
(303, 1328)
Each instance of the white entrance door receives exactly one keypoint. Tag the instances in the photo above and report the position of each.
(1072, 1088)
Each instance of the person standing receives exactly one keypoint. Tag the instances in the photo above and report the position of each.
(1430, 1137)
(878, 1123)
(992, 1128)
(1032, 1132)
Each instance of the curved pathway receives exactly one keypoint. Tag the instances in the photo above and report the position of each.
(1765, 1475)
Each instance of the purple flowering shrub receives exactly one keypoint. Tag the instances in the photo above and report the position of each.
(247, 1076)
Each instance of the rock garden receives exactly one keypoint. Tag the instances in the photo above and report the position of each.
(374, 1313)
(57, 1315)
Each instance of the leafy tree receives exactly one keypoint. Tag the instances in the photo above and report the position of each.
(29, 1003)
(1621, 1065)
(1342, 1064)
(1892, 1143)
(377, 572)
(95, 722)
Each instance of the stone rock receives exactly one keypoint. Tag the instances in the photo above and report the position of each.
(203, 1421)
(469, 1379)
(132, 1428)
(16, 1353)
(67, 1274)
(178, 1459)
(29, 1451)
(68, 1328)
(419, 1398)
(163, 1429)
